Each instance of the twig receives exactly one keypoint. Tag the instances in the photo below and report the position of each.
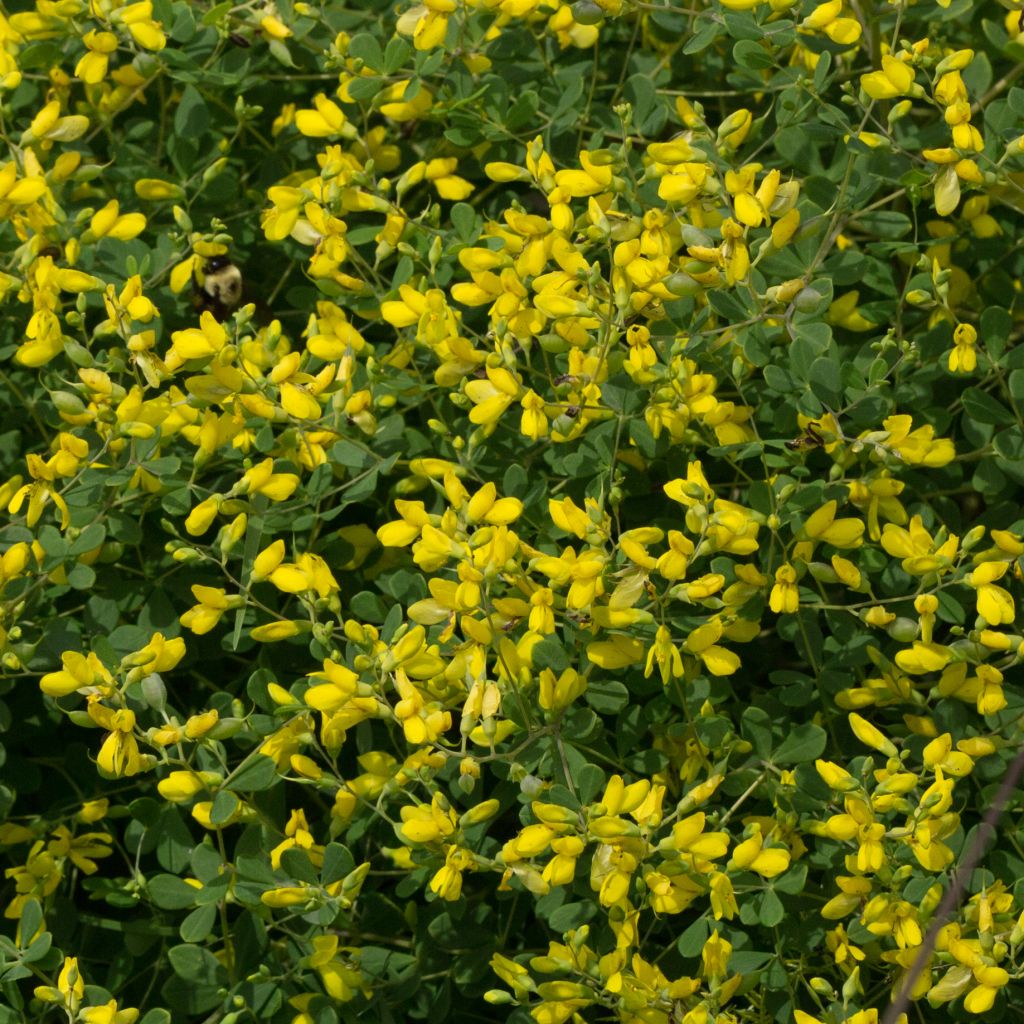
(955, 893)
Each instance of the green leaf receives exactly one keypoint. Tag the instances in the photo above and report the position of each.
(225, 803)
(1009, 443)
(522, 111)
(983, 408)
(280, 52)
(169, 892)
(640, 91)
(756, 726)
(709, 30)
(572, 915)
(365, 46)
(260, 773)
(752, 55)
(88, 540)
(195, 964)
(589, 782)
(726, 304)
(570, 92)
(778, 379)
(338, 862)
(174, 841)
(994, 330)
(31, 918)
(742, 25)
(825, 378)
(464, 220)
(691, 942)
(791, 881)
(606, 696)
(1015, 382)
(803, 743)
(216, 13)
(550, 653)
(198, 925)
(296, 864)
(746, 961)
(397, 52)
(54, 544)
(771, 911)
(192, 117)
(38, 948)
(82, 577)
(821, 70)
(365, 88)
(885, 223)
(814, 335)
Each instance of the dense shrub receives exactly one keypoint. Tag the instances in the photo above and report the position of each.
(577, 579)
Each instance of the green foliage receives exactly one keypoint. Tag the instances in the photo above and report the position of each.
(576, 578)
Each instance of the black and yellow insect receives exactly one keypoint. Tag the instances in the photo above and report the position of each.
(810, 438)
(217, 288)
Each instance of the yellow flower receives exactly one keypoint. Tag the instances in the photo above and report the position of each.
(273, 28)
(895, 79)
(328, 120)
(826, 18)
(182, 786)
(753, 855)
(79, 671)
(840, 533)
(990, 979)
(447, 882)
(262, 479)
(70, 988)
(108, 1013)
(785, 595)
(995, 604)
(338, 968)
(422, 824)
(715, 956)
(92, 68)
(119, 754)
(491, 397)
(870, 736)
(109, 222)
(963, 358)
(156, 189)
(557, 694)
(197, 342)
(394, 105)
(138, 19)
(919, 447)
(213, 602)
(427, 23)
(920, 554)
(693, 490)
(703, 642)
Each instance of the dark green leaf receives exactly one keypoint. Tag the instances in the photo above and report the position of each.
(259, 773)
(169, 892)
(756, 726)
(982, 407)
(771, 911)
(752, 55)
(198, 925)
(193, 963)
(803, 743)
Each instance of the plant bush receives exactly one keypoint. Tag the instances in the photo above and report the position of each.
(578, 581)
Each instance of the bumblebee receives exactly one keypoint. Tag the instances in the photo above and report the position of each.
(809, 439)
(217, 288)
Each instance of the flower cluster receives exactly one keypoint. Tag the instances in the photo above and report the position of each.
(510, 507)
